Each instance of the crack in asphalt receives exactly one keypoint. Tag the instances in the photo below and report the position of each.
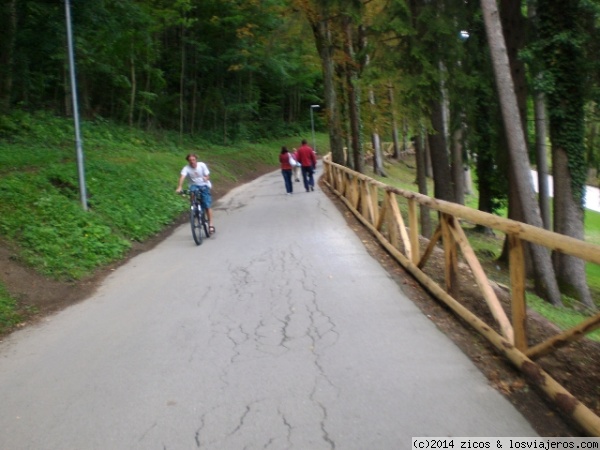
(290, 322)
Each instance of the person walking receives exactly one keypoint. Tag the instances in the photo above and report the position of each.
(296, 168)
(198, 175)
(286, 169)
(308, 162)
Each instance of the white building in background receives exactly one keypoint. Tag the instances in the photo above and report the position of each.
(592, 194)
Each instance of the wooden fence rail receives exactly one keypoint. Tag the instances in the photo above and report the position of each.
(376, 205)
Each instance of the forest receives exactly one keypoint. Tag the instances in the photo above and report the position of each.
(482, 87)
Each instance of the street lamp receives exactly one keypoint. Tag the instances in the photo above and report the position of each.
(312, 126)
(78, 146)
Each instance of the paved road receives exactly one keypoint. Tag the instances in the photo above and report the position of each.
(280, 332)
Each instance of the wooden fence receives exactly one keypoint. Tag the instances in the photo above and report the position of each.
(376, 205)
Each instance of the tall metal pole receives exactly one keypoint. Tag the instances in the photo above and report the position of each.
(78, 144)
(312, 126)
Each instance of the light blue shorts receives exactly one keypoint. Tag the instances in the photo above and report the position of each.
(205, 196)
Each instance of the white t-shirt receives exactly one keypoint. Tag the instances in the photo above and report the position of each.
(196, 176)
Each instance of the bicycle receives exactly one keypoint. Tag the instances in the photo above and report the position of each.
(198, 219)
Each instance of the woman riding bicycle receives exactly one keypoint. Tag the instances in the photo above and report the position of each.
(198, 175)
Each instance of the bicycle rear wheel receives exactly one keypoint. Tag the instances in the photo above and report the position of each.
(196, 223)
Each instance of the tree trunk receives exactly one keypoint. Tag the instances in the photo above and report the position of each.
(8, 30)
(568, 220)
(377, 154)
(513, 26)
(517, 147)
(428, 163)
(182, 84)
(458, 173)
(133, 89)
(396, 141)
(405, 137)
(440, 163)
(353, 92)
(542, 158)
(325, 49)
(421, 160)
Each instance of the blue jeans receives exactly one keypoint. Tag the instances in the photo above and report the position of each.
(307, 177)
(287, 177)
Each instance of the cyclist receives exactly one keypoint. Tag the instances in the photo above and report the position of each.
(198, 175)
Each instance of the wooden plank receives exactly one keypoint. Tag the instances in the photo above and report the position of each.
(374, 202)
(354, 193)
(400, 226)
(413, 226)
(481, 279)
(365, 201)
(553, 241)
(517, 288)
(450, 255)
(437, 234)
(368, 203)
(392, 220)
(562, 339)
(382, 214)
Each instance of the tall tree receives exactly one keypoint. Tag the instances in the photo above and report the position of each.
(563, 36)
(351, 69)
(320, 14)
(539, 114)
(517, 147)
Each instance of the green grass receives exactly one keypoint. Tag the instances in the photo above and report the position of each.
(564, 318)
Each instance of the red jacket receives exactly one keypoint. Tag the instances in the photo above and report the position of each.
(306, 156)
(284, 159)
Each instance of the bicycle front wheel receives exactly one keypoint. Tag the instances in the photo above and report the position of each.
(196, 224)
(204, 220)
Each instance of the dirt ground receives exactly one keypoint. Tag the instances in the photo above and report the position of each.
(576, 367)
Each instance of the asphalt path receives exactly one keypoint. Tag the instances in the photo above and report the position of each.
(279, 332)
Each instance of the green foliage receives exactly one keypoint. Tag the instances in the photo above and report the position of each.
(592, 226)
(562, 48)
(56, 236)
(232, 70)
